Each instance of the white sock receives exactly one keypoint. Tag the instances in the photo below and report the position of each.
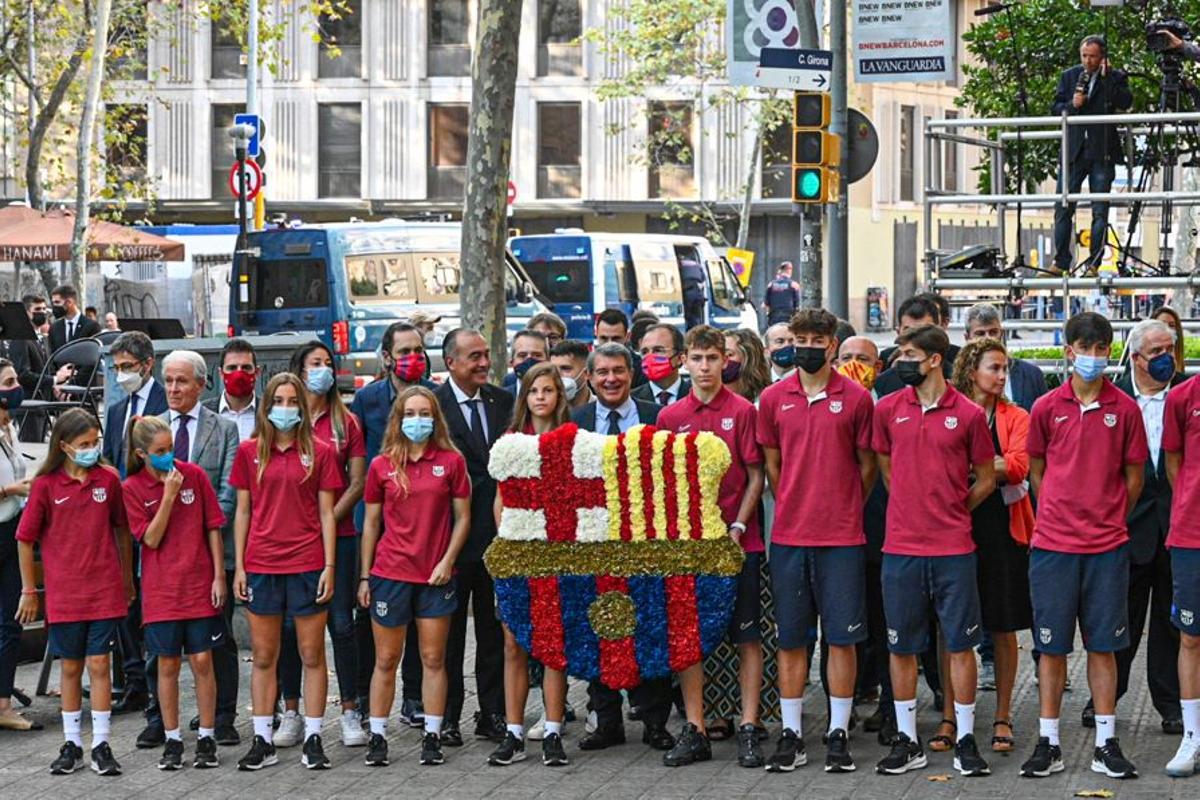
(433, 724)
(518, 731)
(906, 717)
(312, 726)
(101, 726)
(209, 732)
(553, 727)
(792, 709)
(73, 727)
(262, 727)
(964, 719)
(174, 734)
(1106, 728)
(378, 725)
(1049, 728)
(1191, 717)
(839, 713)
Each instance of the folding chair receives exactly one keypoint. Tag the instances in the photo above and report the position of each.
(84, 392)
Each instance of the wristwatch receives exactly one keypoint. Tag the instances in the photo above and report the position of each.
(739, 526)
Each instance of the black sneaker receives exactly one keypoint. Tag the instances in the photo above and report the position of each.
(103, 761)
(226, 735)
(967, 760)
(837, 753)
(152, 736)
(510, 750)
(553, 754)
(70, 758)
(313, 754)
(431, 750)
(1112, 762)
(789, 753)
(750, 752)
(377, 751)
(451, 736)
(206, 753)
(1046, 759)
(906, 754)
(172, 757)
(690, 746)
(261, 755)
(490, 726)
(412, 713)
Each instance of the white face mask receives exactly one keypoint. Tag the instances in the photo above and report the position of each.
(570, 386)
(130, 381)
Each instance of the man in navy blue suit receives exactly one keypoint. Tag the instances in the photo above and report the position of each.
(1026, 382)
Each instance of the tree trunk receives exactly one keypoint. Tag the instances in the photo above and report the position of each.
(46, 115)
(489, 151)
(83, 153)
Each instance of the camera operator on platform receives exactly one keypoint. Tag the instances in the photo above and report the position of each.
(1090, 88)
(1173, 44)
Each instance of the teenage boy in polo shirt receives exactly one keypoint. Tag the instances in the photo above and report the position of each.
(929, 439)
(1087, 447)
(709, 406)
(817, 417)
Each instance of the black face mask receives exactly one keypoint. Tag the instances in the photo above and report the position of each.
(910, 373)
(39, 318)
(811, 359)
(58, 311)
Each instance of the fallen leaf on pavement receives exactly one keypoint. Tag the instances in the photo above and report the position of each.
(1095, 793)
(939, 778)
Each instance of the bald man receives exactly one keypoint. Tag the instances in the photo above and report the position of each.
(780, 347)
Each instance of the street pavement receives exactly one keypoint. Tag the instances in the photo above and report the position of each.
(627, 771)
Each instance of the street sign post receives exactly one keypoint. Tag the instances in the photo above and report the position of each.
(254, 121)
(252, 176)
(796, 70)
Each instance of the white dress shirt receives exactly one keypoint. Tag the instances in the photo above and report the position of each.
(72, 325)
(244, 419)
(12, 469)
(193, 424)
(1152, 406)
(464, 403)
(672, 390)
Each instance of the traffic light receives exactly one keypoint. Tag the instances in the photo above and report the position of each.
(816, 153)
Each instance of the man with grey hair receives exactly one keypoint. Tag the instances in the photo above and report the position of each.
(1026, 382)
(1151, 348)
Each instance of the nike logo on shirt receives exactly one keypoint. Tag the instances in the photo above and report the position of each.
(787, 406)
(1058, 420)
(58, 501)
(901, 419)
(683, 428)
(149, 503)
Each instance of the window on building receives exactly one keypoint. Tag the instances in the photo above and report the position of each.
(126, 134)
(342, 34)
(777, 162)
(227, 55)
(559, 147)
(908, 122)
(950, 160)
(447, 173)
(449, 38)
(127, 50)
(221, 147)
(339, 150)
(559, 27)
(670, 154)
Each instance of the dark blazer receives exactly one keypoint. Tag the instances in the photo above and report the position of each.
(58, 331)
(1110, 95)
(114, 425)
(585, 416)
(28, 360)
(498, 407)
(1151, 516)
(888, 381)
(648, 392)
(1028, 383)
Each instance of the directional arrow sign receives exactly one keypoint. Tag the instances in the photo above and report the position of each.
(796, 70)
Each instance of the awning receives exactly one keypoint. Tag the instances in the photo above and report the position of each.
(28, 235)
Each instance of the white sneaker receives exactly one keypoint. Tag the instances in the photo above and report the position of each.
(592, 722)
(291, 730)
(1186, 760)
(353, 734)
(537, 731)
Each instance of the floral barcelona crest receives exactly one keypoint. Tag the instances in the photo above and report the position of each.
(612, 560)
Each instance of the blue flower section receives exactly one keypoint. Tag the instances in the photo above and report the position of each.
(512, 597)
(575, 595)
(715, 598)
(650, 637)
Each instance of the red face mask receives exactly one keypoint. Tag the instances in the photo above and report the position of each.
(657, 367)
(239, 383)
(410, 368)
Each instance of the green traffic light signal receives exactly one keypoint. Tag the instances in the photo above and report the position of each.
(808, 184)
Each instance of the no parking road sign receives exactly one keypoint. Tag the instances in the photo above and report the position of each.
(252, 174)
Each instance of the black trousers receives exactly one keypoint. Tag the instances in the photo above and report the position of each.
(476, 594)
(652, 697)
(1150, 593)
(129, 632)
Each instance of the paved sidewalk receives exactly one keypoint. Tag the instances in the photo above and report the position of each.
(629, 771)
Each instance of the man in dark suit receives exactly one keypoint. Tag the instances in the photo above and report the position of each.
(1088, 89)
(1151, 346)
(133, 359)
(477, 414)
(662, 356)
(1026, 382)
(613, 412)
(914, 312)
(71, 324)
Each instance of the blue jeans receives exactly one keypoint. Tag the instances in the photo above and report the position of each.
(1100, 178)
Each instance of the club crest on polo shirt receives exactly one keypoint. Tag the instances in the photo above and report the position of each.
(100, 494)
(951, 423)
(835, 406)
(439, 471)
(187, 496)
(381, 608)
(1110, 420)
(1045, 635)
(1186, 617)
(305, 460)
(727, 424)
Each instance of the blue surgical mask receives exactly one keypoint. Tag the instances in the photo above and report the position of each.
(87, 458)
(1089, 368)
(520, 369)
(163, 462)
(1161, 367)
(284, 418)
(417, 429)
(784, 357)
(11, 399)
(319, 380)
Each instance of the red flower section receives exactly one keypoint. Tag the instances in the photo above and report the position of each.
(561, 493)
(545, 613)
(618, 659)
(521, 493)
(623, 487)
(683, 624)
(693, 471)
(646, 455)
(670, 487)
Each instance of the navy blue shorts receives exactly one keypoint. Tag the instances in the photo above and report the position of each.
(1185, 599)
(824, 582)
(77, 640)
(1090, 587)
(395, 603)
(172, 637)
(912, 583)
(295, 594)
(745, 626)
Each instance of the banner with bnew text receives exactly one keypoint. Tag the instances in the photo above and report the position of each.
(897, 41)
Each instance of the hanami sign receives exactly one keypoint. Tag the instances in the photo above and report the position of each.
(62, 252)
